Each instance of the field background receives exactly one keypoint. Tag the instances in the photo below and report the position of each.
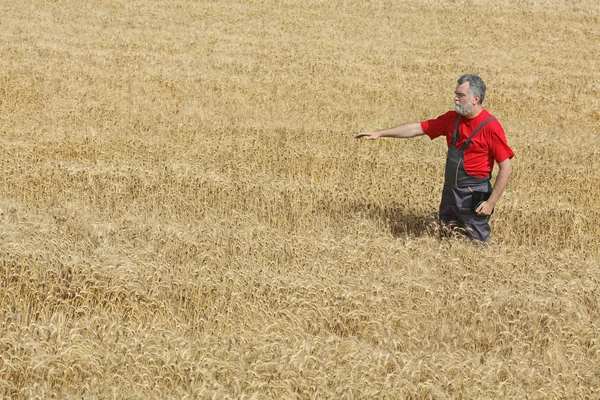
(184, 212)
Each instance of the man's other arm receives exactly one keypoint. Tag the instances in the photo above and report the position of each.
(504, 172)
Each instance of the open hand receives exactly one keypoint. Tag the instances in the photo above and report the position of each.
(368, 135)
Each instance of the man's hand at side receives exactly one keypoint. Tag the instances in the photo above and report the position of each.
(504, 172)
(484, 209)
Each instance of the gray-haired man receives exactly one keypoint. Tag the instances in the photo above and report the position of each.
(475, 141)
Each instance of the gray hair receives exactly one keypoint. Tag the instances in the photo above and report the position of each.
(476, 85)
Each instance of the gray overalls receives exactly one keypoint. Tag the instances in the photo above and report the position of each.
(455, 207)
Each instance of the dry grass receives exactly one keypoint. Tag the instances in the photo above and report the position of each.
(185, 212)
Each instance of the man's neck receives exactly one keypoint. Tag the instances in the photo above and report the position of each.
(475, 113)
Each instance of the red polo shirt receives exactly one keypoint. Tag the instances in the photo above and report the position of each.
(488, 145)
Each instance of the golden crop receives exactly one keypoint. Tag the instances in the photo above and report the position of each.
(185, 212)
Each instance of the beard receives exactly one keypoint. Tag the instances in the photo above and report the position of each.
(463, 109)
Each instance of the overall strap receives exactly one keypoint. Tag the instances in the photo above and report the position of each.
(468, 142)
(455, 133)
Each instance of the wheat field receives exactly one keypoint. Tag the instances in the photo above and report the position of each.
(185, 213)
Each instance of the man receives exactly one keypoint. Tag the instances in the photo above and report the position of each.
(475, 141)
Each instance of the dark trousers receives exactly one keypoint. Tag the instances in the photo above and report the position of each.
(455, 213)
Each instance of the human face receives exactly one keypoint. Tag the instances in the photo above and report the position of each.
(463, 101)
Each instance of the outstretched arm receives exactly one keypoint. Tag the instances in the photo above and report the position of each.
(505, 169)
(401, 131)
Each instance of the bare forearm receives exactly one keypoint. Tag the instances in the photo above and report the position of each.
(501, 183)
(403, 131)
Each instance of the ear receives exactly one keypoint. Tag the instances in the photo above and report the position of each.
(476, 99)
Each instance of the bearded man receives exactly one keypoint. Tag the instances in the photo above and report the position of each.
(475, 141)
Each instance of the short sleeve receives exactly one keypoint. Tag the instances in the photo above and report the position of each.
(439, 126)
(499, 146)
